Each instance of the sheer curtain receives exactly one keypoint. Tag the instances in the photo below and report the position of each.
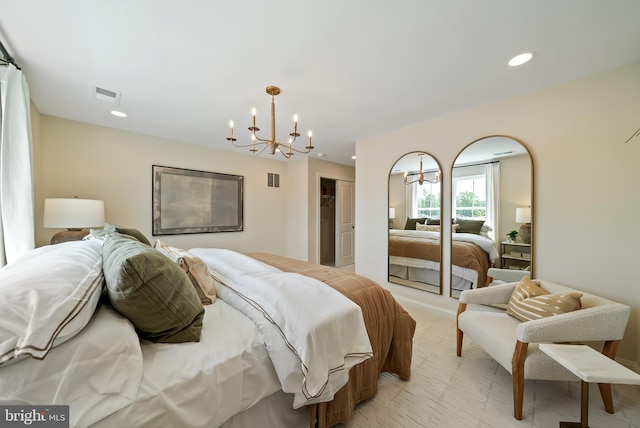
(492, 171)
(17, 234)
(412, 203)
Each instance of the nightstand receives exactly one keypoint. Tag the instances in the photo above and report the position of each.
(515, 255)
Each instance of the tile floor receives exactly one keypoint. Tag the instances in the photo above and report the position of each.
(474, 391)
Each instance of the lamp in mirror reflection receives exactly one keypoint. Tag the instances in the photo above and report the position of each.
(523, 215)
(392, 215)
(258, 145)
(72, 214)
(419, 177)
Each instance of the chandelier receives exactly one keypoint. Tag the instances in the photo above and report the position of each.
(271, 143)
(420, 176)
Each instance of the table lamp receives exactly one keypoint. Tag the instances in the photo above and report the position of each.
(523, 215)
(392, 215)
(72, 214)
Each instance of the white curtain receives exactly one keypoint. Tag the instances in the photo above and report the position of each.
(412, 203)
(492, 171)
(17, 234)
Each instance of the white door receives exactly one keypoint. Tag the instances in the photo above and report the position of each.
(345, 217)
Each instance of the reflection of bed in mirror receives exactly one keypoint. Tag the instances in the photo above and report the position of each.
(414, 194)
(414, 258)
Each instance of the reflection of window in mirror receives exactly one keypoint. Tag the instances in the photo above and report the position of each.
(491, 177)
(415, 241)
(473, 198)
(424, 199)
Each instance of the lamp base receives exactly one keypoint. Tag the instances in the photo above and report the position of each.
(525, 233)
(68, 235)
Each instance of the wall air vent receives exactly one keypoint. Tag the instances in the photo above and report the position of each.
(273, 179)
(503, 153)
(106, 95)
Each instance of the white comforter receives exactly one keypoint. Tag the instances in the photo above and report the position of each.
(313, 333)
(483, 242)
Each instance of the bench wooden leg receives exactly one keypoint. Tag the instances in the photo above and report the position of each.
(517, 375)
(461, 308)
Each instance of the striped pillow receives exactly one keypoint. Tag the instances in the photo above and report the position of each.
(530, 302)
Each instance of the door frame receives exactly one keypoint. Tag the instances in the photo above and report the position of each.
(317, 190)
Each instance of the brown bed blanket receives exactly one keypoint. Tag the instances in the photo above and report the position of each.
(389, 326)
(464, 254)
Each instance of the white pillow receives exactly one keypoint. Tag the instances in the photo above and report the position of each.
(96, 372)
(47, 296)
(485, 229)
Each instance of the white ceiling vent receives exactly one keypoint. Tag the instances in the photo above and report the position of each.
(106, 95)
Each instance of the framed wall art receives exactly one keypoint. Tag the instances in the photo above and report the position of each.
(189, 201)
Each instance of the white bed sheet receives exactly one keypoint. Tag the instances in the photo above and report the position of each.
(427, 271)
(201, 384)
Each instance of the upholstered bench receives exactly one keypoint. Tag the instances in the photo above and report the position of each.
(514, 343)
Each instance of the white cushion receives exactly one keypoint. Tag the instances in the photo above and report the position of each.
(47, 296)
(496, 334)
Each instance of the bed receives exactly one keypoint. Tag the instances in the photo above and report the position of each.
(414, 256)
(71, 334)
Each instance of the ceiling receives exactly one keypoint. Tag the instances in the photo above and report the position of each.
(485, 150)
(350, 69)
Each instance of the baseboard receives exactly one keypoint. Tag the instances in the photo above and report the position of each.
(407, 302)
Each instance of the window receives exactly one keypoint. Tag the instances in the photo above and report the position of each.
(470, 196)
(427, 200)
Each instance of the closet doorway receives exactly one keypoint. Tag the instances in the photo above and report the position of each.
(337, 216)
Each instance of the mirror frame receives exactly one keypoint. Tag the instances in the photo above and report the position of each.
(417, 286)
(498, 240)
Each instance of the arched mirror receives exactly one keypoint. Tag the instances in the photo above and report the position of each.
(415, 242)
(492, 207)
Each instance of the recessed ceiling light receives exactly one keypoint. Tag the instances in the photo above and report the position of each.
(353, 157)
(118, 113)
(520, 59)
(321, 155)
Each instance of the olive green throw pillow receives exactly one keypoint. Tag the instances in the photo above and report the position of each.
(151, 291)
(411, 222)
(469, 226)
(129, 231)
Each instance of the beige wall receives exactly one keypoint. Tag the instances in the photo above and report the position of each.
(88, 161)
(304, 203)
(317, 170)
(79, 159)
(586, 197)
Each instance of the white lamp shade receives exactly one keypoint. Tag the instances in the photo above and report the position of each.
(392, 213)
(523, 215)
(73, 213)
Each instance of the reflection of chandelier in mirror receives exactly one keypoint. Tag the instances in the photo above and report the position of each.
(271, 142)
(420, 176)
